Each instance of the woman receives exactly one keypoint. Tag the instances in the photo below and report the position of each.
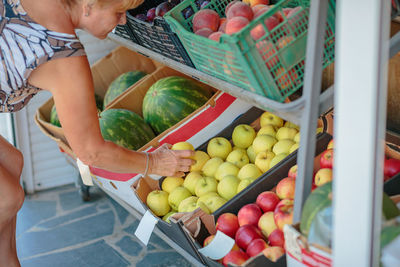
(39, 49)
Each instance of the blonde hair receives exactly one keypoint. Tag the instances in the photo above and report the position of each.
(126, 4)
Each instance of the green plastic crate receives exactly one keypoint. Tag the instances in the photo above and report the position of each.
(259, 66)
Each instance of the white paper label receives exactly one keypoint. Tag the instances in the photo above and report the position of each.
(85, 173)
(218, 247)
(291, 236)
(146, 227)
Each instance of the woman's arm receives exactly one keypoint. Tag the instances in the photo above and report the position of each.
(70, 82)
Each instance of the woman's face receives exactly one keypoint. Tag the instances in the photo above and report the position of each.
(101, 20)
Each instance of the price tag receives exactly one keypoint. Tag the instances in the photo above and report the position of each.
(145, 228)
(85, 173)
(218, 247)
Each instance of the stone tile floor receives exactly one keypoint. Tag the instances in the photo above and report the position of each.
(56, 228)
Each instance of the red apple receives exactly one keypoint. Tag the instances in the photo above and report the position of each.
(293, 172)
(323, 176)
(326, 160)
(246, 234)
(163, 8)
(236, 257)
(276, 238)
(208, 240)
(249, 214)
(256, 247)
(267, 201)
(151, 14)
(391, 167)
(286, 188)
(228, 224)
(273, 253)
(283, 213)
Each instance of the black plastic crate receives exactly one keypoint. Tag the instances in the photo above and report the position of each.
(124, 32)
(157, 35)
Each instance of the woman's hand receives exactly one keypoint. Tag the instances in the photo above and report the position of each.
(166, 162)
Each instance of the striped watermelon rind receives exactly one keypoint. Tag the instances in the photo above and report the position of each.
(54, 117)
(125, 128)
(170, 100)
(120, 84)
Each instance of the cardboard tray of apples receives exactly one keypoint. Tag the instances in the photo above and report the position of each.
(149, 29)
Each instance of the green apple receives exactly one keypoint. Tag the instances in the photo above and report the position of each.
(219, 147)
(177, 195)
(200, 158)
(243, 135)
(263, 143)
(191, 180)
(320, 130)
(237, 148)
(251, 154)
(182, 146)
(238, 157)
(283, 146)
(214, 203)
(170, 183)
(205, 185)
(297, 138)
(249, 171)
(291, 125)
(277, 159)
(226, 168)
(286, 133)
(227, 187)
(211, 166)
(157, 201)
(263, 159)
(206, 196)
(169, 214)
(293, 148)
(188, 204)
(272, 119)
(244, 183)
(268, 130)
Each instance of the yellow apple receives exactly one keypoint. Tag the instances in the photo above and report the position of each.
(191, 180)
(263, 160)
(238, 157)
(188, 204)
(157, 201)
(206, 196)
(219, 147)
(293, 148)
(182, 146)
(330, 145)
(251, 154)
(227, 187)
(283, 146)
(214, 203)
(249, 171)
(320, 130)
(169, 214)
(266, 223)
(243, 135)
(170, 183)
(263, 143)
(323, 176)
(272, 119)
(205, 185)
(244, 183)
(268, 130)
(297, 138)
(177, 195)
(211, 166)
(237, 148)
(277, 159)
(201, 158)
(291, 125)
(225, 169)
(286, 133)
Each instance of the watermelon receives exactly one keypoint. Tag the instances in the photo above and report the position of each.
(54, 117)
(170, 100)
(120, 84)
(125, 128)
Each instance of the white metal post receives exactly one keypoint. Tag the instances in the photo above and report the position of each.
(362, 48)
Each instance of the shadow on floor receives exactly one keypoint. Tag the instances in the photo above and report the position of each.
(56, 228)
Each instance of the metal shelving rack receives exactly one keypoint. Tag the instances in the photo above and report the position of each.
(361, 94)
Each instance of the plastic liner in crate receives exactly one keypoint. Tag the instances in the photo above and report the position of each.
(249, 195)
(157, 35)
(124, 32)
(271, 64)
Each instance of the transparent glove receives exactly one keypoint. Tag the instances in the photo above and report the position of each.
(166, 162)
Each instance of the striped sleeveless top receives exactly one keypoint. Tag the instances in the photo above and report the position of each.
(24, 45)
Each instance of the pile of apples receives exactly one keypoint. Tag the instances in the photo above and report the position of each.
(227, 168)
(258, 227)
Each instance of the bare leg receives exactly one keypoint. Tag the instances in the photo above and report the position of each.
(11, 199)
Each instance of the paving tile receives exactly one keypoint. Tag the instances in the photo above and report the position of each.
(69, 217)
(71, 200)
(98, 254)
(156, 240)
(163, 259)
(132, 228)
(67, 235)
(130, 246)
(122, 213)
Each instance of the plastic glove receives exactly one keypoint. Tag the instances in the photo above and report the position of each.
(166, 162)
